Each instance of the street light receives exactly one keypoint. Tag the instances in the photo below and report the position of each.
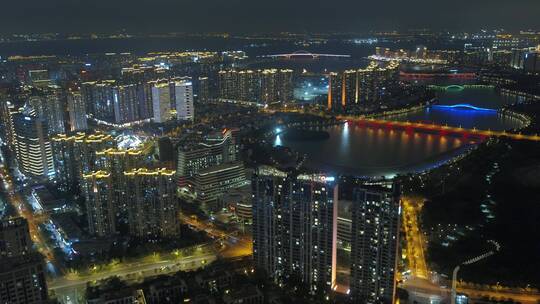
(469, 262)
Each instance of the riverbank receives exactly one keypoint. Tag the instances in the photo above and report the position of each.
(490, 194)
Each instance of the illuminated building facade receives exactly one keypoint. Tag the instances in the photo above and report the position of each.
(75, 155)
(32, 145)
(374, 244)
(76, 111)
(161, 101)
(126, 103)
(295, 226)
(98, 98)
(100, 209)
(204, 90)
(116, 162)
(213, 182)
(183, 95)
(217, 149)
(227, 81)
(276, 85)
(152, 204)
(7, 109)
(369, 85)
(50, 107)
(266, 86)
(246, 87)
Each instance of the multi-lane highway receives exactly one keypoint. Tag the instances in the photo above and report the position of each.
(414, 250)
(69, 288)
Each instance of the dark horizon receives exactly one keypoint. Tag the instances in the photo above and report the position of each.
(241, 16)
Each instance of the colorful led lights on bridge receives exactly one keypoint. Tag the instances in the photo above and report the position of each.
(465, 106)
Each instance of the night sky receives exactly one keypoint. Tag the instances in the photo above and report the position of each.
(265, 16)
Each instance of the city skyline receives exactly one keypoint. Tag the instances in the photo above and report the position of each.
(269, 152)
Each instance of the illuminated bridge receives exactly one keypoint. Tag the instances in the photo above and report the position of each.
(464, 106)
(457, 87)
(437, 129)
(305, 55)
(434, 75)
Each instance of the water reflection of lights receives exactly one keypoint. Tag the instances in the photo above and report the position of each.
(345, 136)
(277, 141)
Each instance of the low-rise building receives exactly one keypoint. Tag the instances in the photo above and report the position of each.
(247, 294)
(122, 296)
(171, 290)
(215, 281)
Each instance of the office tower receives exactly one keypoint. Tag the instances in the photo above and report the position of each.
(125, 103)
(76, 111)
(161, 101)
(204, 90)
(22, 280)
(32, 145)
(211, 183)
(100, 208)
(75, 155)
(295, 226)
(98, 98)
(374, 244)
(14, 237)
(183, 94)
(152, 204)
(215, 150)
